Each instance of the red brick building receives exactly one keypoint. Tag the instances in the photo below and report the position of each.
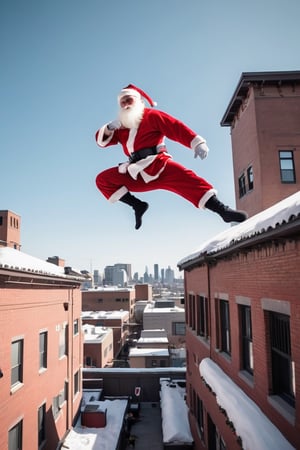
(40, 350)
(243, 315)
(242, 288)
(264, 115)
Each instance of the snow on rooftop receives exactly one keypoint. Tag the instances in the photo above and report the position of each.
(82, 438)
(133, 352)
(174, 410)
(107, 289)
(16, 260)
(153, 340)
(116, 314)
(276, 215)
(250, 423)
(94, 334)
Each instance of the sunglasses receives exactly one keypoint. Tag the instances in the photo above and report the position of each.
(126, 100)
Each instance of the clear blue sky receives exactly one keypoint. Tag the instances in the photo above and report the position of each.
(63, 62)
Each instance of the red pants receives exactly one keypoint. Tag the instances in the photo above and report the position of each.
(175, 178)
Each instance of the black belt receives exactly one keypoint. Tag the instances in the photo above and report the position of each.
(144, 152)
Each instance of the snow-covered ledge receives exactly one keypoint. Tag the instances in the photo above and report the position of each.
(251, 425)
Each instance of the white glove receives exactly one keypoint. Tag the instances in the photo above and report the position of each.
(201, 150)
(114, 125)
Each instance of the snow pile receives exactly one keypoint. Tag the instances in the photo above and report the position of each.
(250, 423)
(175, 423)
(16, 260)
(82, 438)
(276, 215)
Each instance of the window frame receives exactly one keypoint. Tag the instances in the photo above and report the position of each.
(17, 368)
(224, 327)
(284, 171)
(178, 326)
(43, 351)
(282, 373)
(242, 185)
(16, 439)
(41, 425)
(246, 339)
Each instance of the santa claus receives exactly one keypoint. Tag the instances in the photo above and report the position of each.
(142, 131)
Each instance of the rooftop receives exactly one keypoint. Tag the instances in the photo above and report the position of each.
(93, 334)
(17, 261)
(277, 221)
(116, 314)
(260, 79)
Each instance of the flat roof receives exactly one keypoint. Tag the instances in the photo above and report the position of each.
(115, 314)
(148, 352)
(261, 79)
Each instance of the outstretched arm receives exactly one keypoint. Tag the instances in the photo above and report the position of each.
(106, 134)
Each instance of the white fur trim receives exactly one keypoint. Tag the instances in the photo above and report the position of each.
(131, 138)
(197, 140)
(129, 91)
(118, 194)
(136, 168)
(103, 131)
(206, 197)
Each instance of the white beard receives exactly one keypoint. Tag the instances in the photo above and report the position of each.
(131, 116)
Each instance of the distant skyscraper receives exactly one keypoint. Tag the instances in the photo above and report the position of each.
(97, 278)
(169, 275)
(156, 272)
(112, 274)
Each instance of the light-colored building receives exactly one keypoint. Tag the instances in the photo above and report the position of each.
(163, 314)
(97, 346)
(153, 339)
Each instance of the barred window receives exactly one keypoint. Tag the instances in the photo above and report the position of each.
(282, 367)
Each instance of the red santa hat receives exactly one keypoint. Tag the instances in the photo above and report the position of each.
(136, 92)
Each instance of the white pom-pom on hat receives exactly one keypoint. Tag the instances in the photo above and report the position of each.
(136, 92)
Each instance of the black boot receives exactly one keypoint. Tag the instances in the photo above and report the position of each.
(139, 207)
(227, 214)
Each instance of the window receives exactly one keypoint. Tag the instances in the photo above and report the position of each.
(283, 380)
(215, 440)
(15, 437)
(224, 341)
(250, 178)
(58, 401)
(17, 362)
(178, 328)
(246, 334)
(199, 416)
(63, 341)
(76, 327)
(202, 316)
(76, 382)
(191, 311)
(287, 167)
(43, 349)
(242, 185)
(41, 424)
(55, 406)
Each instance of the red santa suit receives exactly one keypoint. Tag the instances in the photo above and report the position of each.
(156, 171)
